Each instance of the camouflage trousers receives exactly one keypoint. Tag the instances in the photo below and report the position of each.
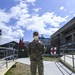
(37, 65)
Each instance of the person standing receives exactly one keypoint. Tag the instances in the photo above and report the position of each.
(36, 50)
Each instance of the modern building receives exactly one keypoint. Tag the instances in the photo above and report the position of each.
(65, 35)
(47, 43)
(26, 43)
(14, 45)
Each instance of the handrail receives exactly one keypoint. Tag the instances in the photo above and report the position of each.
(7, 48)
(8, 57)
(68, 49)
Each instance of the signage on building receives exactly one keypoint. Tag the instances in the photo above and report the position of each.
(53, 50)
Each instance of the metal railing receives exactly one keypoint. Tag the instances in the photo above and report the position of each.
(71, 57)
(7, 55)
(69, 52)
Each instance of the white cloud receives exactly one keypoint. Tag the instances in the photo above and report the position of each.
(71, 11)
(27, 1)
(33, 22)
(13, 31)
(30, 0)
(36, 9)
(17, 33)
(39, 23)
(20, 9)
(6, 39)
(62, 8)
(53, 19)
(8, 34)
(4, 16)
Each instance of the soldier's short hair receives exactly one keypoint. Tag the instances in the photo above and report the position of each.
(35, 33)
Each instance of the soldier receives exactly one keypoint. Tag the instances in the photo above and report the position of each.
(36, 50)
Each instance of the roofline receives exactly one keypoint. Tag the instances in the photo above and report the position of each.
(8, 43)
(68, 24)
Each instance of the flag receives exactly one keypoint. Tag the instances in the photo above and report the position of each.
(21, 43)
(53, 50)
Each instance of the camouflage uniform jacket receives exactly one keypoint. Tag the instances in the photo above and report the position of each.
(36, 50)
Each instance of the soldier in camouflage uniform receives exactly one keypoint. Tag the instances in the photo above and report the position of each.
(36, 50)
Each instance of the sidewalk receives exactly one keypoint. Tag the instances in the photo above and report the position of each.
(50, 67)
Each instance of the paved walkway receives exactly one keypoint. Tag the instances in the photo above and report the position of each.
(50, 67)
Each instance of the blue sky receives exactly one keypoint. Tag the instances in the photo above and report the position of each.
(20, 18)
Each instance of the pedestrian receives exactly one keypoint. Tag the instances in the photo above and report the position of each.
(36, 50)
